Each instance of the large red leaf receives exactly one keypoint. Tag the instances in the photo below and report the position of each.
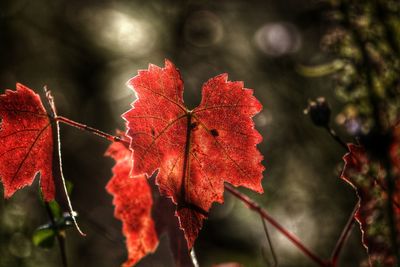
(367, 178)
(26, 142)
(196, 150)
(133, 203)
(136, 204)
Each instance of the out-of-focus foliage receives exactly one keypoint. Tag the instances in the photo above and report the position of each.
(367, 178)
(364, 41)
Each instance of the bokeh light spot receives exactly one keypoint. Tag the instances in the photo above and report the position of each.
(122, 32)
(277, 39)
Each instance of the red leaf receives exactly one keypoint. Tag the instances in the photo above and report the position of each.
(26, 142)
(196, 150)
(133, 202)
(367, 178)
(167, 223)
(136, 204)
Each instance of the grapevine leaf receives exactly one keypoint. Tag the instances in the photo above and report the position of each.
(133, 202)
(367, 178)
(195, 151)
(26, 142)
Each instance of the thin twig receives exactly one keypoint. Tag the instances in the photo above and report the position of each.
(60, 237)
(344, 236)
(263, 213)
(84, 127)
(335, 137)
(71, 210)
(194, 258)
(50, 99)
(269, 242)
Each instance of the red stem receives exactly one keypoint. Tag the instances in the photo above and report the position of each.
(263, 213)
(343, 236)
(95, 131)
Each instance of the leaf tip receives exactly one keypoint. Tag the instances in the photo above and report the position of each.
(21, 87)
(168, 64)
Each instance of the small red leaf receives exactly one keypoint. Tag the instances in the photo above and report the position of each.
(133, 203)
(196, 150)
(367, 178)
(26, 142)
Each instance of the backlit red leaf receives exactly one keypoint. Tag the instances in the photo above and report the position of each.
(368, 179)
(136, 203)
(133, 203)
(196, 150)
(26, 142)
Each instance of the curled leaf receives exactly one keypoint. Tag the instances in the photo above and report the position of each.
(133, 203)
(367, 178)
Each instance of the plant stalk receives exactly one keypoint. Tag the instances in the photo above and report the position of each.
(264, 214)
(344, 236)
(275, 259)
(60, 237)
(335, 137)
(95, 131)
(53, 110)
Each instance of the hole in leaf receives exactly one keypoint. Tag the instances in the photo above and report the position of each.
(214, 132)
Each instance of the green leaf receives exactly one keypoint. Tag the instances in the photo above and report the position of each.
(69, 186)
(44, 237)
(55, 209)
(321, 70)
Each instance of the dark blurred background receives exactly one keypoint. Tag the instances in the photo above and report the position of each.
(85, 51)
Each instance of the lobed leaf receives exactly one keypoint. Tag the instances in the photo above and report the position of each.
(194, 151)
(26, 142)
